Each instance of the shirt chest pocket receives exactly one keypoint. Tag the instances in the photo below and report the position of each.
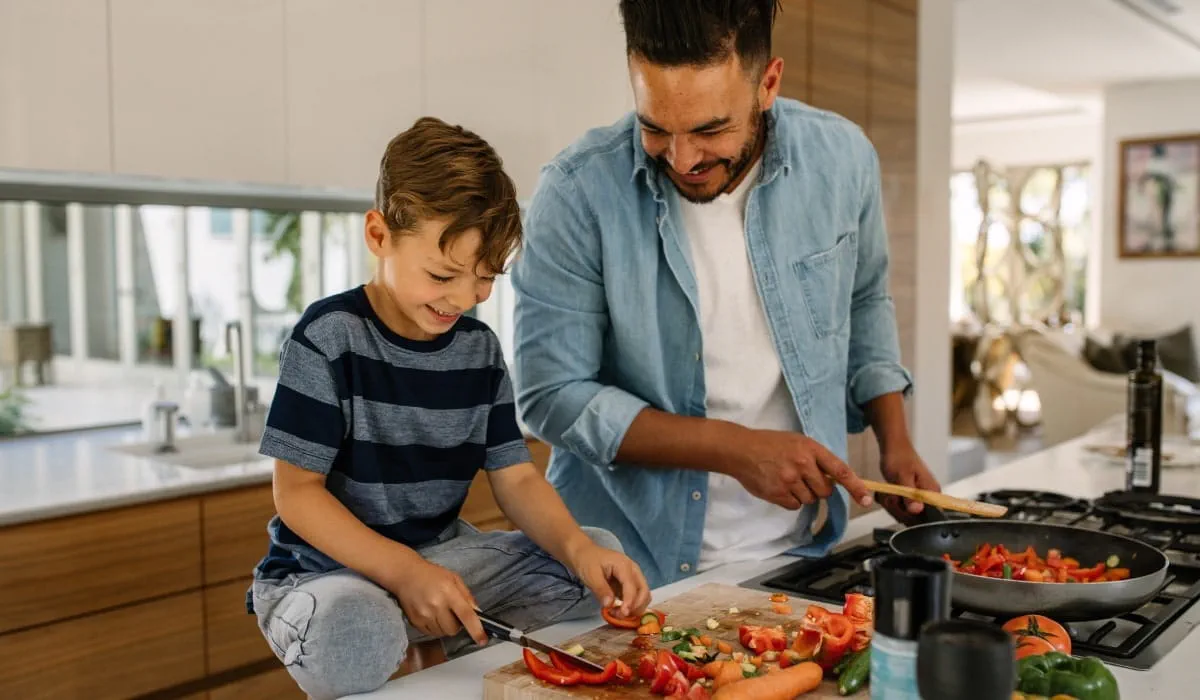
(827, 280)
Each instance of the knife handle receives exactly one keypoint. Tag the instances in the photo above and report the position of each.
(498, 628)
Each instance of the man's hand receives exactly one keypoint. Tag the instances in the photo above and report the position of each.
(610, 575)
(902, 465)
(436, 601)
(790, 470)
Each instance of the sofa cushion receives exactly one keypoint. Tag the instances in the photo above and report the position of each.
(1177, 353)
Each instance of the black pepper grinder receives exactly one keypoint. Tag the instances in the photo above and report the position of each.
(959, 659)
(910, 591)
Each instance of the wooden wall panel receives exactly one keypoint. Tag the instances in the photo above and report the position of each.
(840, 51)
(791, 42)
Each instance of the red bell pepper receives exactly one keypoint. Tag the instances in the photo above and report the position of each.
(664, 670)
(608, 675)
(647, 665)
(807, 642)
(760, 639)
(545, 672)
(611, 617)
(839, 633)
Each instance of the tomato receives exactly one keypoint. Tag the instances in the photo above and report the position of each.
(1033, 646)
(611, 617)
(760, 639)
(1040, 627)
(664, 672)
(647, 665)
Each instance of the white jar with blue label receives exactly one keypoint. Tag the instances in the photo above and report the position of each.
(910, 590)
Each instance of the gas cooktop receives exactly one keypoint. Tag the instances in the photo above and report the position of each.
(1135, 640)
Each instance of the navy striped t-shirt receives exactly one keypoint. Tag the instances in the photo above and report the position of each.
(400, 427)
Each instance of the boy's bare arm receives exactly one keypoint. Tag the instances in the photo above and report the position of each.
(535, 508)
(427, 593)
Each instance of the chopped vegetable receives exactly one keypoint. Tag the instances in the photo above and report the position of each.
(613, 617)
(608, 675)
(758, 639)
(835, 642)
(855, 674)
(711, 624)
(781, 609)
(1000, 562)
(733, 611)
(548, 673)
(782, 685)
(1054, 673)
(574, 649)
(779, 598)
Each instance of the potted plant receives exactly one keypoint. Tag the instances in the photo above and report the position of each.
(14, 416)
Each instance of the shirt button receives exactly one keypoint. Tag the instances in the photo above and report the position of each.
(685, 567)
(696, 495)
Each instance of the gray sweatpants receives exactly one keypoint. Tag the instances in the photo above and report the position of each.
(339, 633)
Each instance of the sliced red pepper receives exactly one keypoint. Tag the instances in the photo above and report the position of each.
(760, 639)
(861, 611)
(698, 692)
(623, 673)
(814, 616)
(677, 686)
(586, 677)
(611, 617)
(1087, 574)
(694, 673)
(545, 672)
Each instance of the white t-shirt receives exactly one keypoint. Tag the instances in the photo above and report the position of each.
(743, 378)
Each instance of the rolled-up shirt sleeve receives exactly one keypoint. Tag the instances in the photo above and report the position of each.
(874, 367)
(560, 318)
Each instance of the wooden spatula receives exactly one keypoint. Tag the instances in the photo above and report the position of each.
(941, 500)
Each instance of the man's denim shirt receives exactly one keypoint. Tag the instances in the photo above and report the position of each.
(607, 321)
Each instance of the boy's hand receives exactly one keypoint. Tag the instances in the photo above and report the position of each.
(611, 575)
(437, 602)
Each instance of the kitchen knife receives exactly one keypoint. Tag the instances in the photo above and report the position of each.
(500, 629)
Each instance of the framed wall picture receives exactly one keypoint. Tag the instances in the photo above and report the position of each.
(1158, 210)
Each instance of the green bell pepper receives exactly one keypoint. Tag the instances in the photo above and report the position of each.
(1056, 673)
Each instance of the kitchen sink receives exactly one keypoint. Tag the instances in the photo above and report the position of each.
(197, 451)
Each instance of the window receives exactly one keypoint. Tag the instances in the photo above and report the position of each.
(1020, 251)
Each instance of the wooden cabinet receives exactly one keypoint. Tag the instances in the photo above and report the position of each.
(83, 564)
(151, 598)
(54, 85)
(116, 654)
(336, 54)
(235, 532)
(232, 638)
(198, 89)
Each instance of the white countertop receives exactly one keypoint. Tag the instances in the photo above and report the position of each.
(1066, 468)
(68, 473)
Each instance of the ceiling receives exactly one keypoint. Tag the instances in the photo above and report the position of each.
(1021, 58)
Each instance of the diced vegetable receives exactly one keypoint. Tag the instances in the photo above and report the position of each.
(575, 649)
(712, 624)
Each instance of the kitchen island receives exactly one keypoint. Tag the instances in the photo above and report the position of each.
(1067, 468)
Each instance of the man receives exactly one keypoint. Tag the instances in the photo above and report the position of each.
(702, 307)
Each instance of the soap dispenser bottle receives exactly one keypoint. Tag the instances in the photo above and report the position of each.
(151, 429)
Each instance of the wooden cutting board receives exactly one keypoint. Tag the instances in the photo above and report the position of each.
(691, 609)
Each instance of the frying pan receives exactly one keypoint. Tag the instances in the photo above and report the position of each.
(1065, 602)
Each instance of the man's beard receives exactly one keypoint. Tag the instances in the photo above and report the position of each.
(734, 167)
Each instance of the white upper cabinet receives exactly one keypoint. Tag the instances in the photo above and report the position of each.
(54, 109)
(198, 89)
(354, 80)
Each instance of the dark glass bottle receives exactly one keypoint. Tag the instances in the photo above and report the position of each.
(1143, 432)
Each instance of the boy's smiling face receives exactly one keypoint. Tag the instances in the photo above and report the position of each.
(427, 287)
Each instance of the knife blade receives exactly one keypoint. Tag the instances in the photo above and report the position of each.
(499, 629)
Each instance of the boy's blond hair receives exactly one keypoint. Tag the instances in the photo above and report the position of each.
(435, 170)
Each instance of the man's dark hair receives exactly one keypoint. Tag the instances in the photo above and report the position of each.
(699, 32)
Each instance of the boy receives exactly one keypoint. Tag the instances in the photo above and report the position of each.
(389, 401)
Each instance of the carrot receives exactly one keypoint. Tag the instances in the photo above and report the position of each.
(712, 669)
(724, 647)
(784, 684)
(781, 609)
(730, 672)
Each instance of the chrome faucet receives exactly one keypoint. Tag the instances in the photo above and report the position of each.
(241, 432)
